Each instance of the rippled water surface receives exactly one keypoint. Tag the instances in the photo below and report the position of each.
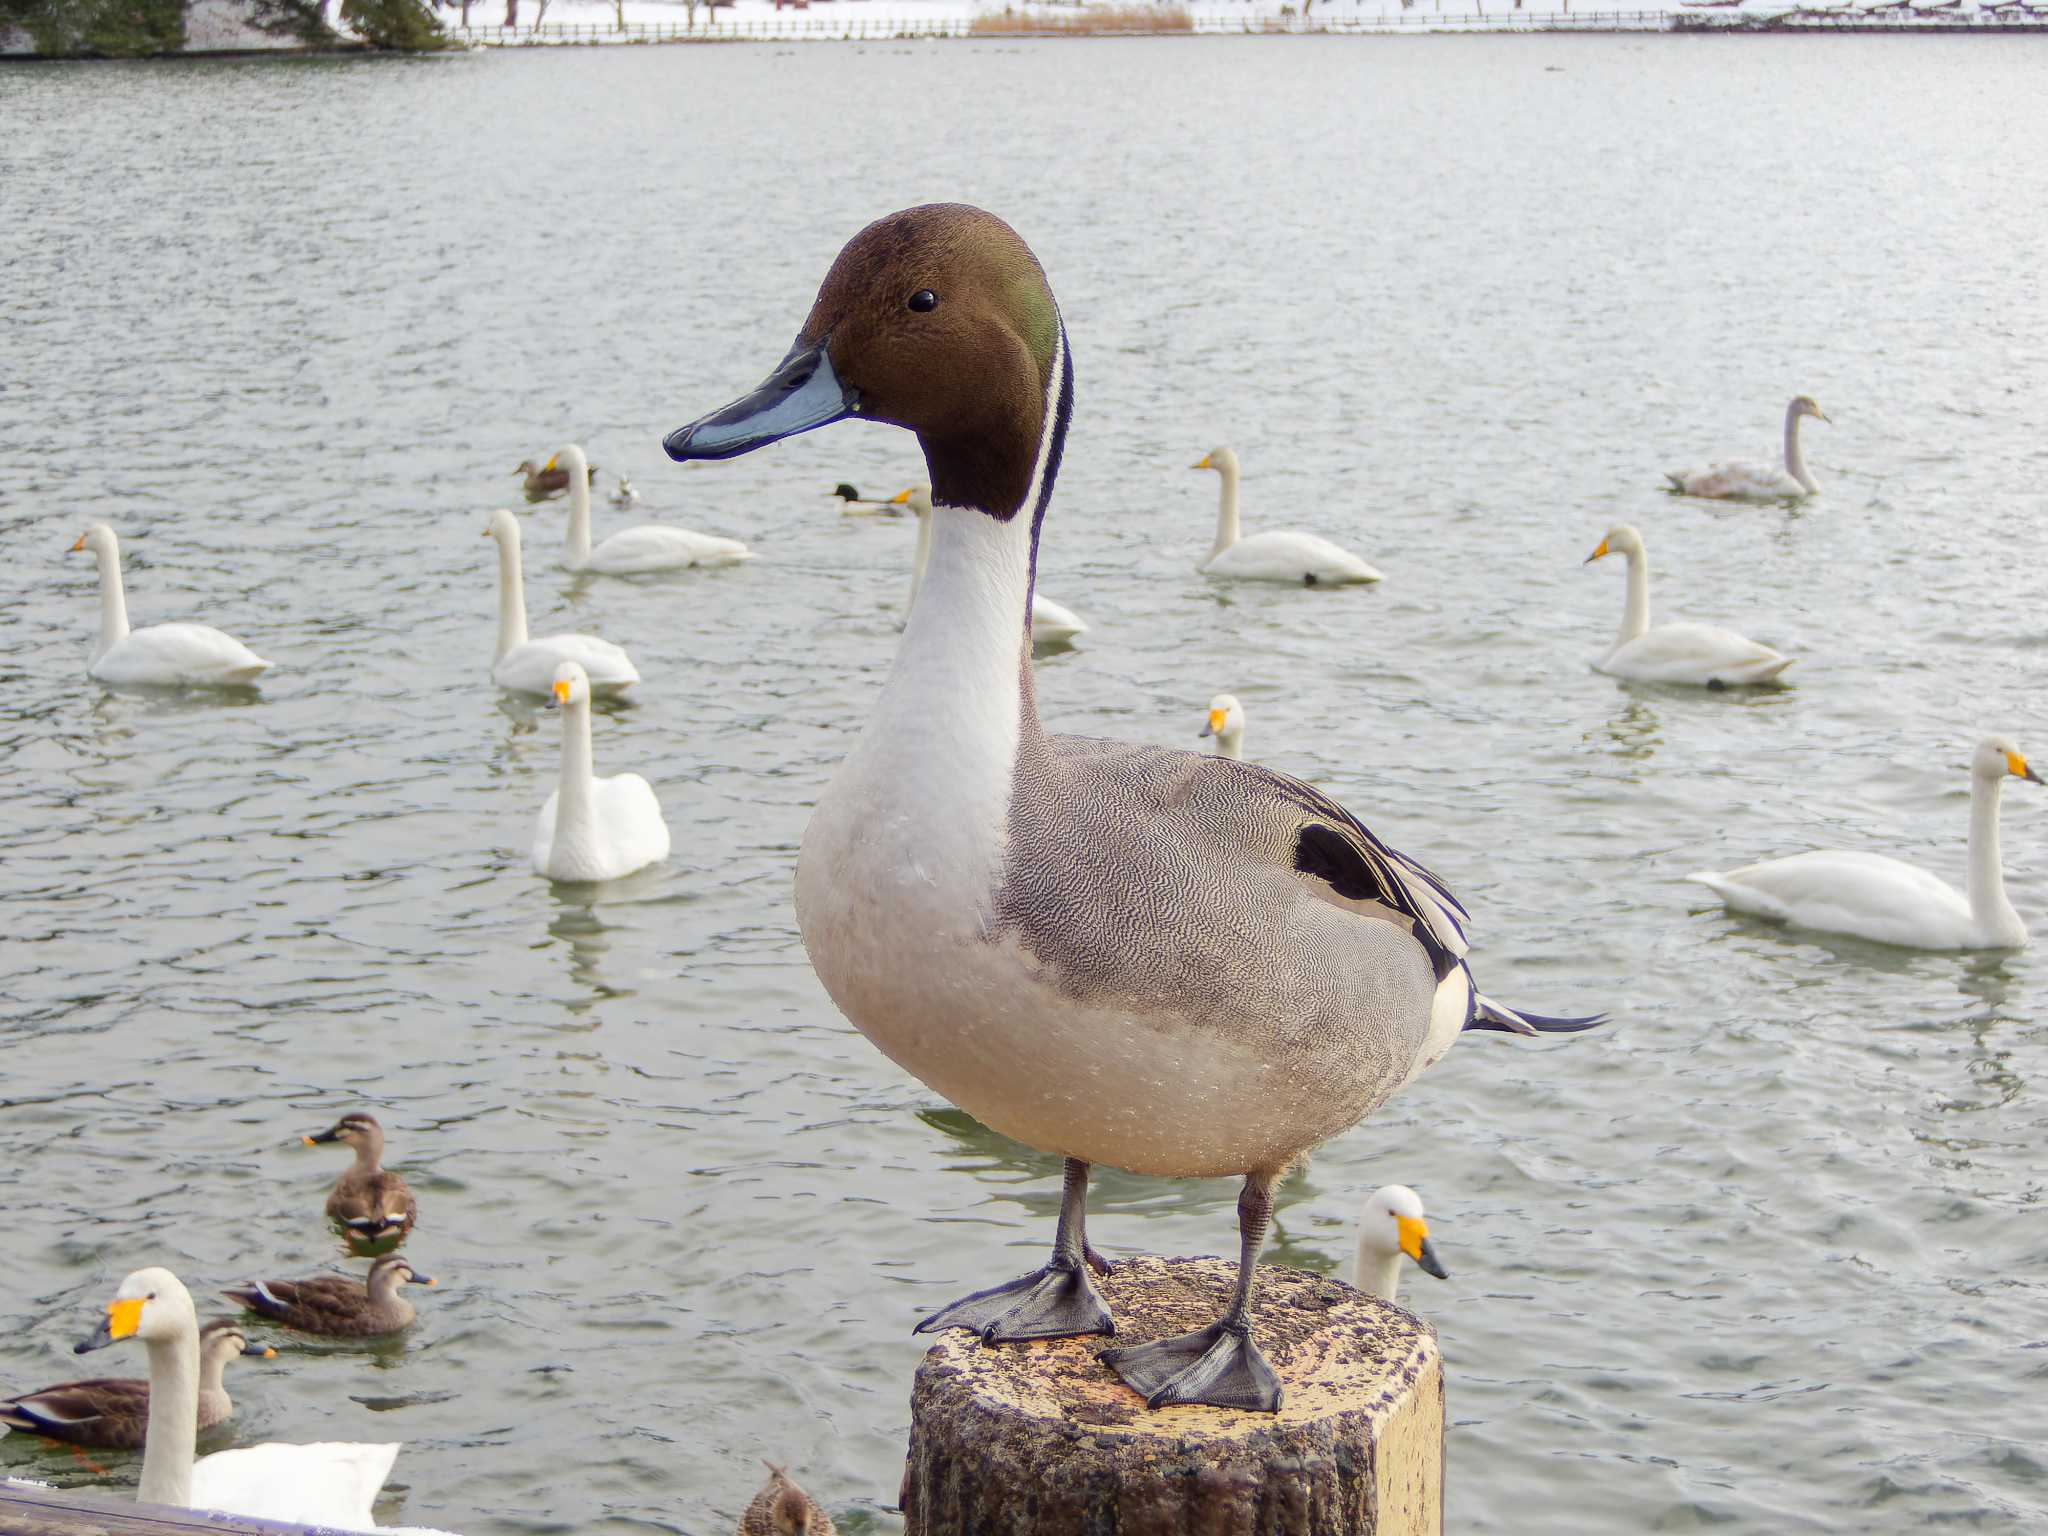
(1766, 1255)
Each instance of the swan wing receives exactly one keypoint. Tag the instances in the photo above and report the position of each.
(1053, 621)
(530, 668)
(635, 831)
(651, 547)
(1865, 894)
(1695, 653)
(179, 654)
(1288, 555)
(327, 1482)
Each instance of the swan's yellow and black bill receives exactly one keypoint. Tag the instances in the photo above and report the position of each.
(1416, 1244)
(79, 545)
(123, 1317)
(1203, 462)
(899, 499)
(561, 690)
(801, 394)
(2016, 765)
(1215, 725)
(1602, 550)
(549, 467)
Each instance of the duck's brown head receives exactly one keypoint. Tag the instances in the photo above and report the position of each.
(938, 319)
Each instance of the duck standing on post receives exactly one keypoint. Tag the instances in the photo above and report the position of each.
(1172, 963)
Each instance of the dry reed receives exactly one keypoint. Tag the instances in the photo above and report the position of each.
(1096, 19)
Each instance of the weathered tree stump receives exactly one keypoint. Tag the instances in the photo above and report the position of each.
(1041, 1439)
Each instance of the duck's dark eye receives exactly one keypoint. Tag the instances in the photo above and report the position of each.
(924, 301)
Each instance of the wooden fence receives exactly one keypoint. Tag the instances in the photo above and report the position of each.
(853, 26)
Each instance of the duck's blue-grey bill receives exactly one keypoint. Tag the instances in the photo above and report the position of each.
(802, 393)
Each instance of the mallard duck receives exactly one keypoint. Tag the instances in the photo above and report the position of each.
(110, 1413)
(329, 1483)
(1390, 1229)
(337, 1306)
(1168, 962)
(781, 1508)
(854, 504)
(1746, 480)
(158, 655)
(550, 479)
(368, 1201)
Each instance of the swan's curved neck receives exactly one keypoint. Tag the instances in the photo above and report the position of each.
(173, 1420)
(575, 811)
(1635, 618)
(1230, 744)
(1379, 1272)
(511, 598)
(579, 503)
(1989, 908)
(1226, 509)
(923, 557)
(1795, 461)
(113, 602)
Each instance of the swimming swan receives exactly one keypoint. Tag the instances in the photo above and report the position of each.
(1740, 479)
(1676, 653)
(1875, 897)
(1051, 622)
(327, 1483)
(649, 547)
(1283, 556)
(158, 655)
(1226, 724)
(592, 828)
(528, 666)
(1390, 1229)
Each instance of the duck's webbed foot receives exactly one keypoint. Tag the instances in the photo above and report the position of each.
(1056, 1302)
(1218, 1365)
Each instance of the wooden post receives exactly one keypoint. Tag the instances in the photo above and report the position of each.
(1041, 1439)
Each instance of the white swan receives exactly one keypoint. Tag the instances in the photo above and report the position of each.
(649, 547)
(1739, 479)
(1226, 724)
(1676, 653)
(592, 828)
(528, 666)
(1051, 622)
(327, 1483)
(158, 655)
(1390, 1229)
(1875, 897)
(1281, 556)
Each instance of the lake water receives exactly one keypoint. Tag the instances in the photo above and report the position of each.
(1768, 1254)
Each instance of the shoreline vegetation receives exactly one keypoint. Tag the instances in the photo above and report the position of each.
(131, 29)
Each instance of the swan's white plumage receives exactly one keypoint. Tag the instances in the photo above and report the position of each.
(1739, 479)
(1285, 555)
(1225, 722)
(324, 1482)
(639, 550)
(158, 655)
(1872, 896)
(593, 828)
(524, 665)
(1698, 654)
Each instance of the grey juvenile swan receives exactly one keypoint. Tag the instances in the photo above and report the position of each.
(1169, 962)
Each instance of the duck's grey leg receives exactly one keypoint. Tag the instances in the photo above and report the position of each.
(1218, 1365)
(1056, 1302)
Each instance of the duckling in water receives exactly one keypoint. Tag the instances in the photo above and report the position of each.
(370, 1204)
(335, 1306)
(111, 1413)
(781, 1508)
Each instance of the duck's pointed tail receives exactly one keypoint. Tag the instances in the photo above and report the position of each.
(1488, 1014)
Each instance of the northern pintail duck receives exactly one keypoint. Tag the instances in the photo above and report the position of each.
(1051, 623)
(543, 481)
(337, 1306)
(781, 1508)
(110, 1413)
(329, 1484)
(369, 1202)
(1743, 479)
(1226, 723)
(1391, 1229)
(1283, 554)
(1872, 896)
(1698, 654)
(522, 664)
(634, 551)
(158, 655)
(1160, 960)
